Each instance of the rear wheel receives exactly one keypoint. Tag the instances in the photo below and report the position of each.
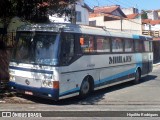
(137, 76)
(85, 88)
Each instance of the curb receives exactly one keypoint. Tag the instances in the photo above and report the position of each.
(154, 65)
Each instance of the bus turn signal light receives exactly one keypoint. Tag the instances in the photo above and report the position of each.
(56, 84)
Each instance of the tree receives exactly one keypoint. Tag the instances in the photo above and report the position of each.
(144, 14)
(33, 10)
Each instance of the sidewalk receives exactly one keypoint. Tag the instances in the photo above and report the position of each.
(156, 64)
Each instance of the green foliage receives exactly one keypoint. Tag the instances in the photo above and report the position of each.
(144, 15)
(33, 10)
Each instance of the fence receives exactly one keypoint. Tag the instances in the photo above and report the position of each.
(151, 33)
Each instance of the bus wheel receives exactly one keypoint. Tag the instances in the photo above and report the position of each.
(85, 88)
(137, 76)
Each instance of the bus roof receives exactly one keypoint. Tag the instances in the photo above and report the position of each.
(82, 29)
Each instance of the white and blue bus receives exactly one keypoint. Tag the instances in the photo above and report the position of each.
(58, 61)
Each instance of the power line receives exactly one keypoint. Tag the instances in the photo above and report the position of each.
(129, 1)
(122, 3)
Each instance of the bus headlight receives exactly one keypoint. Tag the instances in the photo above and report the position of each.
(44, 83)
(50, 84)
(47, 83)
(12, 78)
(11, 72)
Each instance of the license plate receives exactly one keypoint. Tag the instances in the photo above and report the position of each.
(28, 93)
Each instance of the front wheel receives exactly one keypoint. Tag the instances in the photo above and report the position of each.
(85, 88)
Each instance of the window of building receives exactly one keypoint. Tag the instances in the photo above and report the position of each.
(78, 16)
(129, 45)
(117, 45)
(103, 44)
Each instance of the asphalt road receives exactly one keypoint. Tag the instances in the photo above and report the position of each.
(125, 97)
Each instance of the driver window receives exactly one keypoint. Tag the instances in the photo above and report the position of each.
(67, 48)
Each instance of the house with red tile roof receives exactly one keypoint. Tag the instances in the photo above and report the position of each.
(151, 27)
(133, 16)
(113, 18)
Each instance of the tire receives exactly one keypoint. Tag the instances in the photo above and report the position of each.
(85, 88)
(137, 76)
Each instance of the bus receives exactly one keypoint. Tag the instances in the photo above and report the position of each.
(58, 61)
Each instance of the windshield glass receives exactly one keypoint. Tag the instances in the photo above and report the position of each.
(38, 48)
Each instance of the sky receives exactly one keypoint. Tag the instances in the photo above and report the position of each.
(140, 4)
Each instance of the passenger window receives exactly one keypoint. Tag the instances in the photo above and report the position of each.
(146, 46)
(103, 44)
(87, 44)
(117, 45)
(139, 46)
(150, 46)
(129, 45)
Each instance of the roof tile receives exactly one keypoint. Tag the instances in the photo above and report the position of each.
(105, 9)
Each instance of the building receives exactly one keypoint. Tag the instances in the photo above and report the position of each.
(128, 11)
(152, 14)
(158, 14)
(152, 28)
(82, 14)
(113, 18)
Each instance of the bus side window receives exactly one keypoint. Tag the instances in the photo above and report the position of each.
(150, 46)
(146, 46)
(103, 44)
(139, 46)
(117, 45)
(129, 45)
(87, 44)
(67, 48)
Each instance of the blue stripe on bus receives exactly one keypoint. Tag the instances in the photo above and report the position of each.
(135, 36)
(115, 76)
(138, 57)
(31, 70)
(74, 90)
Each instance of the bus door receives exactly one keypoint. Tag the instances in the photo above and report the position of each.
(67, 56)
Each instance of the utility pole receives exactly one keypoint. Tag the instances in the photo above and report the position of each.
(73, 13)
(121, 24)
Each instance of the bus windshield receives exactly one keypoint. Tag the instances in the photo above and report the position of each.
(38, 48)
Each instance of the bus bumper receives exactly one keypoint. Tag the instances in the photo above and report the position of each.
(48, 93)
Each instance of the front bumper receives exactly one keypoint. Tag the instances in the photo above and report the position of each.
(48, 93)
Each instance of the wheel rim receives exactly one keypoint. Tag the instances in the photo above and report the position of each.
(85, 87)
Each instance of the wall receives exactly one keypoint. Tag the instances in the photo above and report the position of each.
(128, 11)
(132, 26)
(152, 28)
(153, 15)
(98, 20)
(79, 7)
(84, 13)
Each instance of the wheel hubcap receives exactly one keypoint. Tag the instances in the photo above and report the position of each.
(85, 87)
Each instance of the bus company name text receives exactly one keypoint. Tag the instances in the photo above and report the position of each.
(119, 59)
